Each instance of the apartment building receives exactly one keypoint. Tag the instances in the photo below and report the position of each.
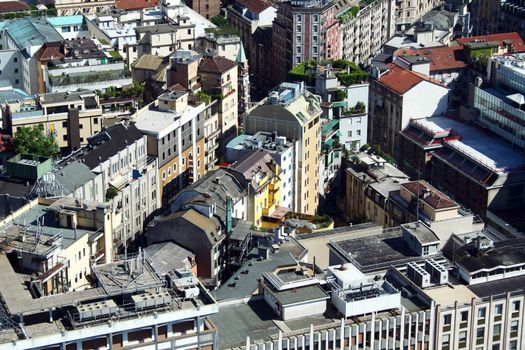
(214, 206)
(63, 238)
(369, 181)
(113, 168)
(395, 100)
(281, 149)
(219, 78)
(98, 317)
(409, 12)
(80, 7)
(79, 64)
(295, 114)
(162, 39)
(206, 8)
(174, 127)
(262, 174)
(302, 31)
(365, 29)
(247, 16)
(70, 117)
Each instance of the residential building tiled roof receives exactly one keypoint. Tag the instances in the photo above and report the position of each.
(441, 58)
(216, 64)
(433, 197)
(402, 80)
(135, 4)
(502, 38)
(256, 6)
(13, 6)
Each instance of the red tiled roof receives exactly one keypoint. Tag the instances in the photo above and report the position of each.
(256, 6)
(177, 87)
(517, 41)
(401, 80)
(13, 6)
(216, 64)
(135, 4)
(441, 58)
(51, 51)
(435, 198)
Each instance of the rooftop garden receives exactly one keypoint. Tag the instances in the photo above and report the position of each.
(31, 12)
(224, 28)
(116, 56)
(135, 90)
(347, 72)
(88, 77)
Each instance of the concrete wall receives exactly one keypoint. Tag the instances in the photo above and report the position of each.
(305, 310)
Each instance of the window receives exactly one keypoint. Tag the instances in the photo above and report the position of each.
(315, 28)
(95, 120)
(445, 340)
(447, 319)
(299, 18)
(314, 38)
(496, 330)
(169, 171)
(299, 28)
(513, 345)
(64, 124)
(198, 150)
(516, 306)
(498, 309)
(514, 328)
(358, 132)
(349, 134)
(298, 38)
(480, 332)
(16, 70)
(314, 49)
(80, 126)
(163, 175)
(464, 316)
(189, 31)
(15, 59)
(64, 138)
(482, 312)
(298, 49)
(174, 167)
(183, 161)
(316, 18)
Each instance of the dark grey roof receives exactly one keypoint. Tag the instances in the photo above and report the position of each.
(505, 253)
(168, 256)
(214, 187)
(73, 176)
(109, 142)
(498, 287)
(299, 295)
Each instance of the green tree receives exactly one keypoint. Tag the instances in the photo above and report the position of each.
(34, 141)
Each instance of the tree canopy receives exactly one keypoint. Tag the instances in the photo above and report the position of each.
(34, 141)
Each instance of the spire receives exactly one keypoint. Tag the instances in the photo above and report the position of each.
(241, 56)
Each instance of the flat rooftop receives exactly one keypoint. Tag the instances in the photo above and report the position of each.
(376, 251)
(421, 232)
(316, 242)
(135, 273)
(246, 284)
(442, 294)
(486, 146)
(39, 219)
